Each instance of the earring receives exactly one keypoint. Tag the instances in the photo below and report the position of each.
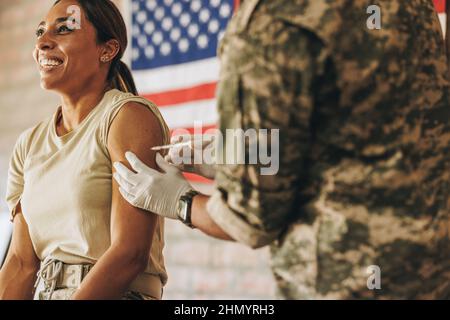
(104, 59)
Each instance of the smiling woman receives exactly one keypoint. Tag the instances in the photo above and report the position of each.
(74, 236)
(100, 30)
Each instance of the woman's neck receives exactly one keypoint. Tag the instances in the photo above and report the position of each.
(76, 107)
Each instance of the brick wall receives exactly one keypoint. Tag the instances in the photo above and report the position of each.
(203, 268)
(22, 102)
(198, 267)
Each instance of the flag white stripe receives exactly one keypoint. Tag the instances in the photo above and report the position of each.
(184, 115)
(443, 20)
(176, 77)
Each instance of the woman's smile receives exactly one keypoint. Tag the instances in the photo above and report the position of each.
(47, 64)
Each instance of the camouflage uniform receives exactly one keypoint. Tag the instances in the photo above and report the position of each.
(364, 145)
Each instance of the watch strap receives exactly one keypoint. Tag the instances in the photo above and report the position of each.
(187, 198)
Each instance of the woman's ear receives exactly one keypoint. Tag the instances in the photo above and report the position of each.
(110, 50)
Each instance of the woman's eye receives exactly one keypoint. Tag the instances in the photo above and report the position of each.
(64, 29)
(39, 32)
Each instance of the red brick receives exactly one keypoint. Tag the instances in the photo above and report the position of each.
(255, 283)
(188, 252)
(180, 279)
(237, 255)
(213, 280)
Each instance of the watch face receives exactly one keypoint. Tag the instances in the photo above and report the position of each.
(183, 210)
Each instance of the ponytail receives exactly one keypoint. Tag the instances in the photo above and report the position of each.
(121, 77)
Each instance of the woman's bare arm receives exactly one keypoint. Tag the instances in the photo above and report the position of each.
(18, 273)
(136, 129)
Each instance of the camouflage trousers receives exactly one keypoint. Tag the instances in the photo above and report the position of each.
(59, 281)
(331, 257)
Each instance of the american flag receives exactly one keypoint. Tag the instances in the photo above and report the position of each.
(173, 56)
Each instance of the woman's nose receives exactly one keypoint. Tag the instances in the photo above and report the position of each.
(45, 42)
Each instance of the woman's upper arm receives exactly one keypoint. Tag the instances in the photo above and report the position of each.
(136, 129)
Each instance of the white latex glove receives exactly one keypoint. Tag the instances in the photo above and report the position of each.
(202, 147)
(149, 189)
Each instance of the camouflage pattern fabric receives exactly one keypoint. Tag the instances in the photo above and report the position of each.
(364, 145)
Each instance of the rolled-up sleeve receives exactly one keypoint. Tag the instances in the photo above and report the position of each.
(235, 224)
(265, 84)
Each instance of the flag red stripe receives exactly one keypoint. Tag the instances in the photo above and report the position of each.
(173, 97)
(191, 130)
(196, 178)
(440, 5)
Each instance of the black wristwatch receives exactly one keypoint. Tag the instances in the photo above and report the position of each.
(184, 207)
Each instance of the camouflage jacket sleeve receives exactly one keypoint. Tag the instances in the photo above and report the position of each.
(269, 73)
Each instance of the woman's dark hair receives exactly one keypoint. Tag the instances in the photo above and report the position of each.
(109, 24)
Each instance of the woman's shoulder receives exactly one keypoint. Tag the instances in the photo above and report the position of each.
(115, 101)
(30, 133)
(114, 96)
(27, 137)
(134, 108)
(117, 98)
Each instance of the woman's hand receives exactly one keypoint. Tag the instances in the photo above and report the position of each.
(18, 274)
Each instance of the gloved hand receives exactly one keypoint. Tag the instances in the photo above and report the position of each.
(149, 189)
(201, 147)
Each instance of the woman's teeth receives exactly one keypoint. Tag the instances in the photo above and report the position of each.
(50, 62)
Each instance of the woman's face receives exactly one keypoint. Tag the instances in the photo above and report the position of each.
(67, 53)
